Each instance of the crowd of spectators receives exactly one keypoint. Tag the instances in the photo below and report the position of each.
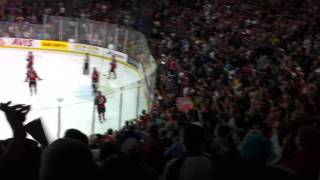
(247, 66)
(22, 19)
(252, 72)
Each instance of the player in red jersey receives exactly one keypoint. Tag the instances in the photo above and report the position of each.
(100, 101)
(95, 79)
(32, 77)
(30, 59)
(113, 67)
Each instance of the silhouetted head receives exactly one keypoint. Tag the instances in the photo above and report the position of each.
(110, 132)
(67, 159)
(154, 131)
(107, 149)
(308, 138)
(77, 135)
(193, 136)
(255, 148)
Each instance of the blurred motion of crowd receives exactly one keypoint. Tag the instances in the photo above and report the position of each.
(250, 68)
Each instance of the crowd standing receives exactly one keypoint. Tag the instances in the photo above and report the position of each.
(252, 72)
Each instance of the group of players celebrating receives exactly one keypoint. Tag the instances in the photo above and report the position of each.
(100, 100)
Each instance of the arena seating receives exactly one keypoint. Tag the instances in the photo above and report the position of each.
(250, 71)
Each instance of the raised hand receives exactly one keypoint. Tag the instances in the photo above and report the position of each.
(15, 113)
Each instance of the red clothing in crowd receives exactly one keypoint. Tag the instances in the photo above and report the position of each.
(185, 81)
(109, 138)
(144, 119)
(172, 65)
(246, 70)
(306, 164)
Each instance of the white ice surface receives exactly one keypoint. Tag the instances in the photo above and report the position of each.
(63, 78)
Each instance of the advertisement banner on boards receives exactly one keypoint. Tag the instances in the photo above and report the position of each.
(133, 62)
(2, 42)
(57, 45)
(23, 42)
(108, 53)
(18, 42)
(85, 48)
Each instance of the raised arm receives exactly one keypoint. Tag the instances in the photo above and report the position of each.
(15, 116)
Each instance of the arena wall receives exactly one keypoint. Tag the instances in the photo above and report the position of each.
(63, 46)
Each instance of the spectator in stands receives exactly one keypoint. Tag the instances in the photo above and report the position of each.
(13, 151)
(306, 161)
(107, 149)
(251, 69)
(77, 135)
(153, 149)
(195, 164)
(67, 159)
(177, 148)
(125, 165)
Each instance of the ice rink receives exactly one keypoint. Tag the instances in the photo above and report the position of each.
(63, 78)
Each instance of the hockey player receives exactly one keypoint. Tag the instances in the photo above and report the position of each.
(100, 102)
(32, 78)
(95, 79)
(113, 66)
(30, 59)
(86, 67)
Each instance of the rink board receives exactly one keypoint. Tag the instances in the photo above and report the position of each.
(33, 44)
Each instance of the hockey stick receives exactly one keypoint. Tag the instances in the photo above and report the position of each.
(29, 81)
